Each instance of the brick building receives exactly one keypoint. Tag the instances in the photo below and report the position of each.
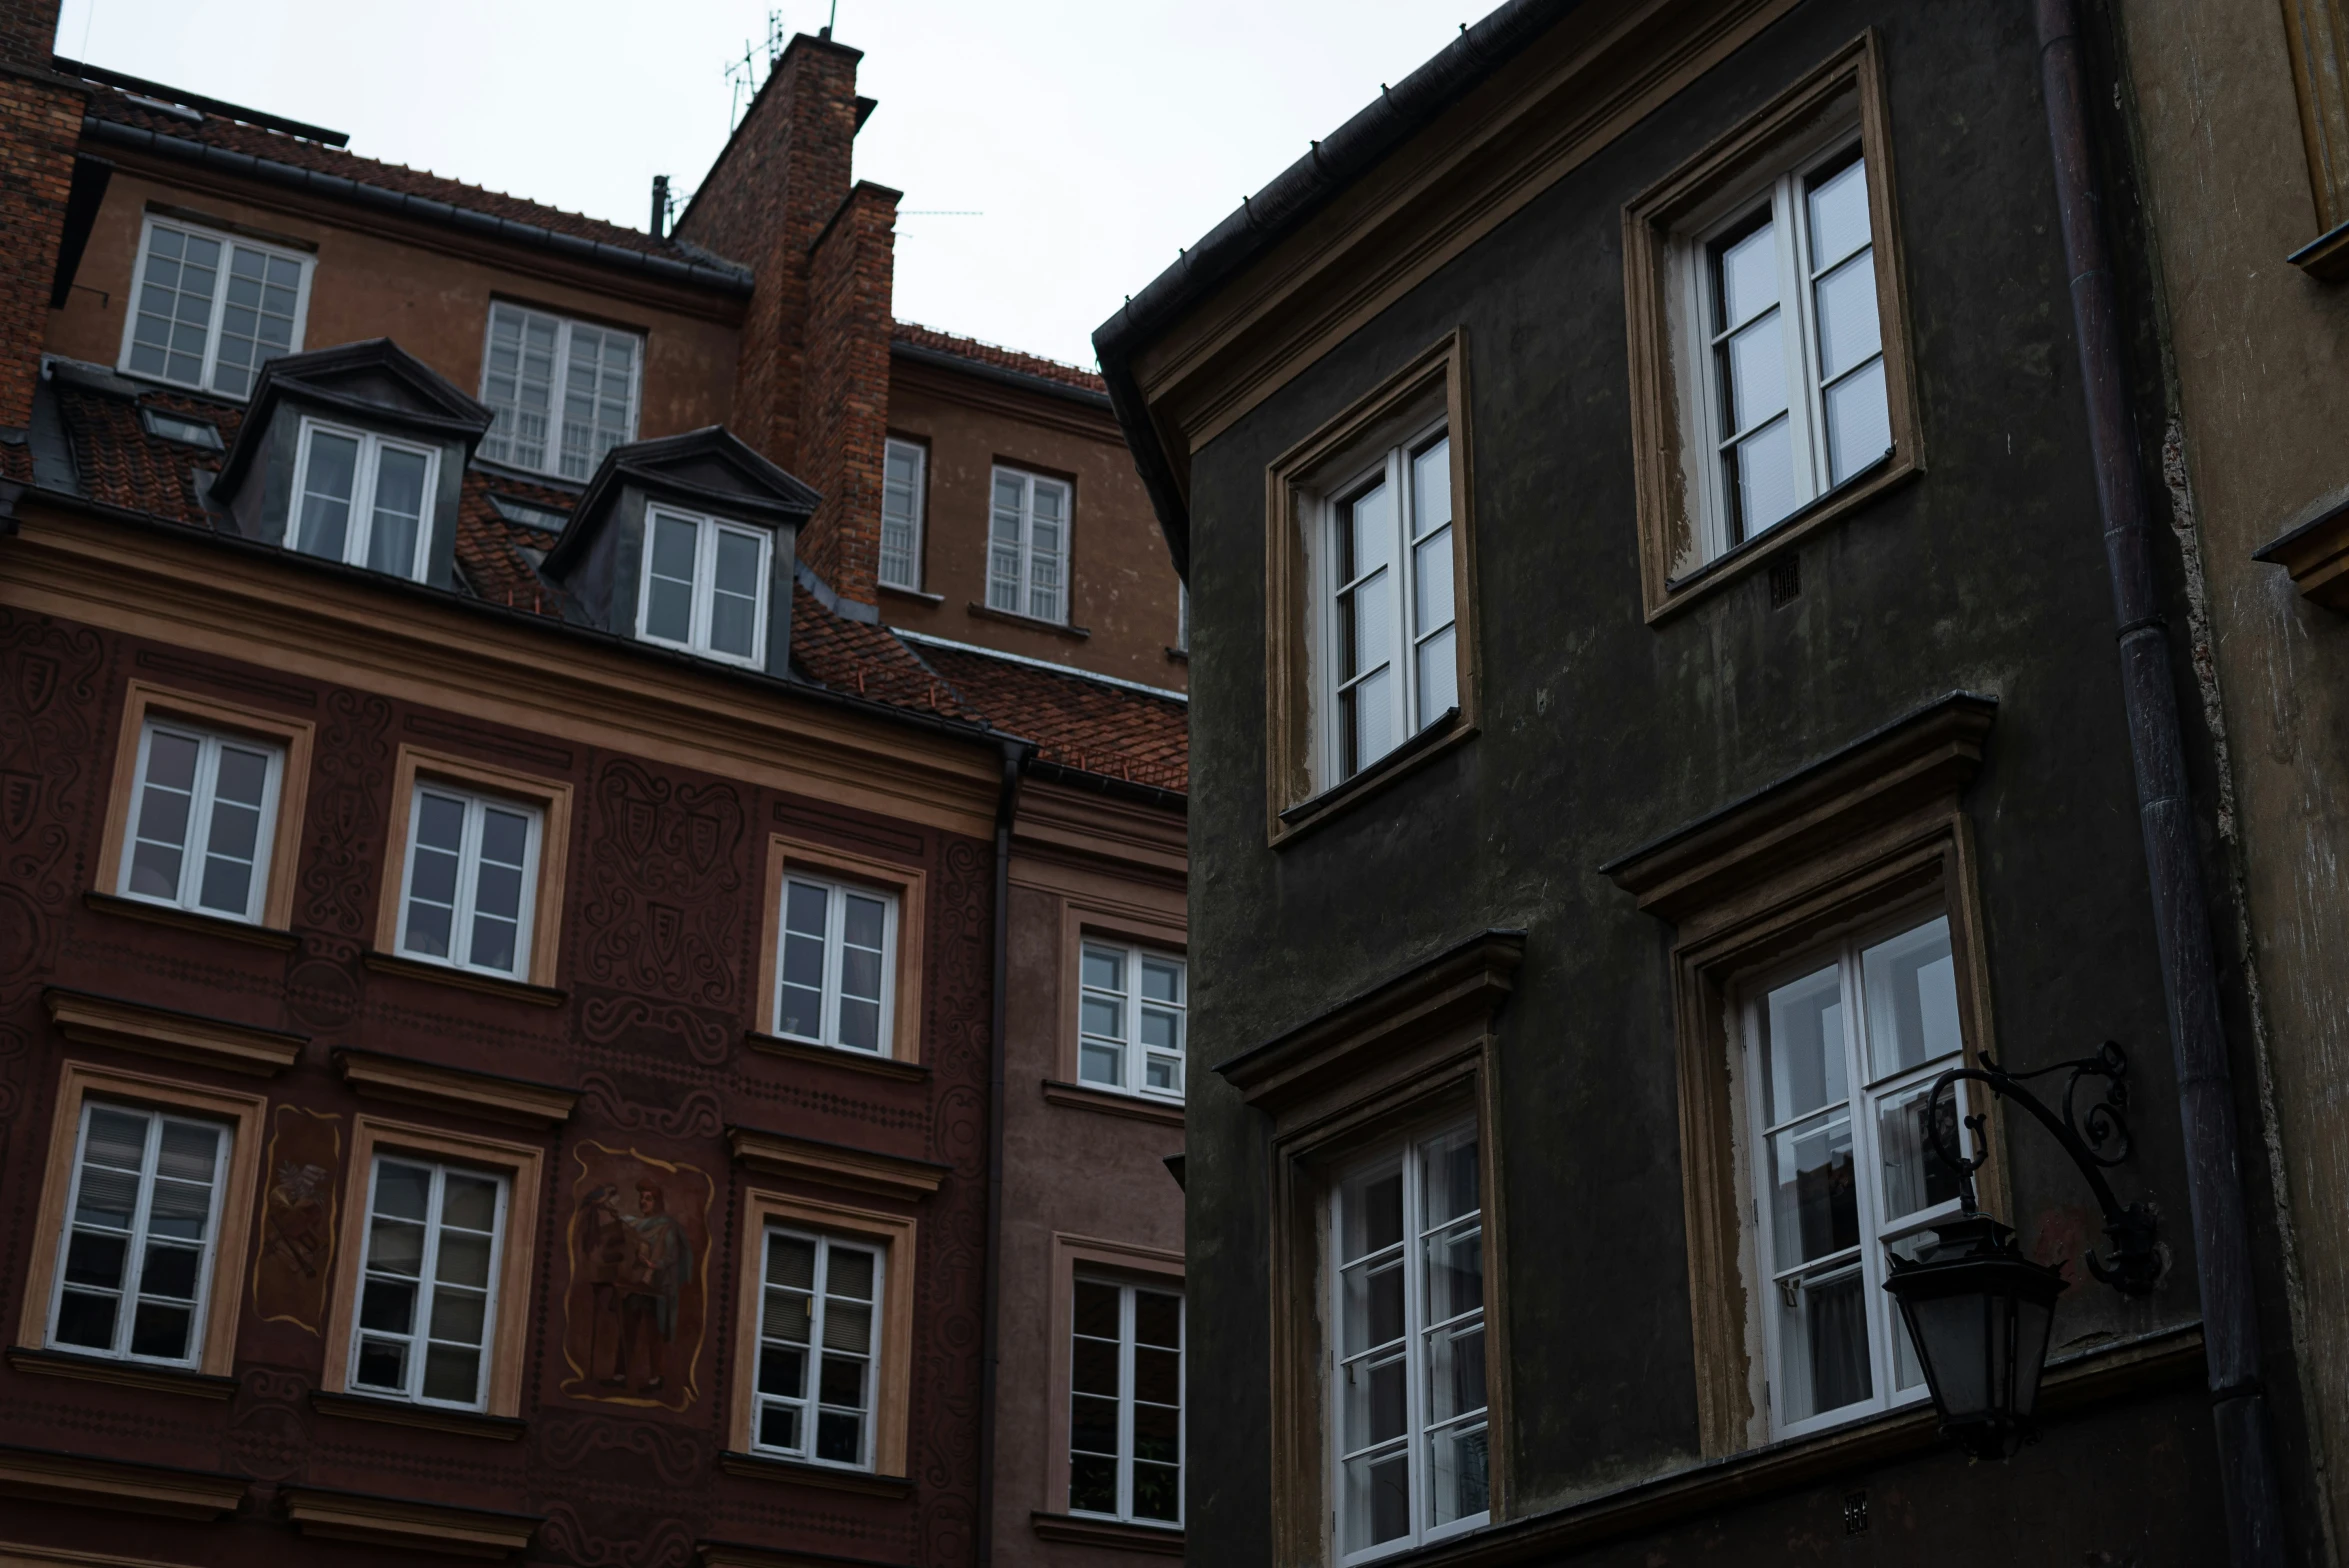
(591, 967)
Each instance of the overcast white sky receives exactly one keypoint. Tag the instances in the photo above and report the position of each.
(1095, 136)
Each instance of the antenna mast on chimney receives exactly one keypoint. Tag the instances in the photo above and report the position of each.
(747, 76)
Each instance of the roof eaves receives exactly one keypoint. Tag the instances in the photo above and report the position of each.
(986, 370)
(725, 278)
(1278, 210)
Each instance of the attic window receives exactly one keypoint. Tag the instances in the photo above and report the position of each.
(189, 432)
(363, 499)
(211, 310)
(705, 586)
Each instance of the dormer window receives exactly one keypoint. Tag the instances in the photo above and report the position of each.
(705, 584)
(363, 499)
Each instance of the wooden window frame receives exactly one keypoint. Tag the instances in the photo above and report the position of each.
(1841, 100)
(524, 1168)
(1300, 793)
(366, 470)
(143, 700)
(1114, 1262)
(551, 798)
(909, 885)
(78, 1082)
(195, 846)
(2317, 34)
(1412, 1054)
(228, 241)
(419, 1338)
(1835, 849)
(558, 379)
(818, 1345)
(921, 510)
(1133, 1053)
(1031, 478)
(707, 529)
(896, 1237)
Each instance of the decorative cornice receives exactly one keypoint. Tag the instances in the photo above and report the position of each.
(836, 1164)
(1110, 1533)
(1932, 752)
(455, 1089)
(1465, 983)
(1078, 1096)
(761, 1467)
(191, 920)
(129, 1374)
(161, 1031)
(396, 1412)
(118, 1485)
(2315, 550)
(404, 1521)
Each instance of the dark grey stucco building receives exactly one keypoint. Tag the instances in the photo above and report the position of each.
(1655, 708)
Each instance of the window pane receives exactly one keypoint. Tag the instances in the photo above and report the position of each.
(860, 1024)
(1859, 425)
(175, 305)
(1804, 1045)
(1848, 329)
(161, 1331)
(1431, 583)
(326, 495)
(1374, 1214)
(164, 806)
(901, 492)
(1093, 1370)
(1368, 527)
(1746, 273)
(1753, 365)
(1431, 487)
(839, 1438)
(452, 1374)
(1005, 535)
(1157, 1491)
(469, 1203)
(1823, 1337)
(402, 1191)
(240, 777)
(399, 512)
(1104, 969)
(1814, 1202)
(1911, 985)
(257, 323)
(1839, 214)
(170, 1272)
(1103, 1016)
(668, 611)
(95, 1258)
(85, 1320)
(1458, 1474)
(1101, 1064)
(1439, 676)
(1370, 721)
(1158, 1319)
(1378, 1500)
(1915, 1175)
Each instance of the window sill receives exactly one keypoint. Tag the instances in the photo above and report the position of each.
(913, 593)
(468, 1423)
(130, 1374)
(1734, 565)
(760, 1467)
(89, 1019)
(1084, 1097)
(190, 920)
(1441, 736)
(449, 974)
(1033, 623)
(1178, 655)
(833, 1056)
(1115, 1534)
(2325, 258)
(2315, 550)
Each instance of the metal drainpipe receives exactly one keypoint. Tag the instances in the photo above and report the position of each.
(2206, 1107)
(991, 1313)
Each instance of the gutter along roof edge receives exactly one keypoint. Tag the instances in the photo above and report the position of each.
(982, 732)
(730, 280)
(1026, 381)
(1282, 207)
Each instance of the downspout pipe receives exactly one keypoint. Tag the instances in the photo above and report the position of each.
(1015, 757)
(2181, 908)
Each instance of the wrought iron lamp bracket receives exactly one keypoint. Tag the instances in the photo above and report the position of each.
(2097, 1138)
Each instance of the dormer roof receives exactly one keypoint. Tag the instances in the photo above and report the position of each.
(708, 470)
(376, 383)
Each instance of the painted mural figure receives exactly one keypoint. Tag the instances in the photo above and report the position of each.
(637, 1266)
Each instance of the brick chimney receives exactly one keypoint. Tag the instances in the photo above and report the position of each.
(811, 390)
(40, 126)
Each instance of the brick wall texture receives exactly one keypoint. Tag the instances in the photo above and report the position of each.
(28, 32)
(40, 123)
(844, 397)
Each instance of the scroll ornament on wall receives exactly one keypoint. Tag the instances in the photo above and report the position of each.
(294, 1264)
(636, 1301)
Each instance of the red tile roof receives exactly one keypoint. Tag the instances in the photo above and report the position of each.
(1003, 358)
(214, 130)
(1076, 721)
(1079, 722)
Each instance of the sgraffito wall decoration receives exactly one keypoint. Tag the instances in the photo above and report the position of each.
(637, 1262)
(293, 1262)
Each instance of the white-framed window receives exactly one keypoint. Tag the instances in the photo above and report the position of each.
(1407, 1370)
(833, 974)
(564, 392)
(1131, 1007)
(209, 309)
(904, 478)
(141, 1239)
(428, 1282)
(1792, 372)
(819, 1350)
(705, 586)
(1389, 624)
(205, 816)
(1125, 1423)
(1839, 1052)
(1027, 546)
(472, 872)
(363, 499)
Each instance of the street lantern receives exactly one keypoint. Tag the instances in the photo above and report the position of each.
(1977, 1311)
